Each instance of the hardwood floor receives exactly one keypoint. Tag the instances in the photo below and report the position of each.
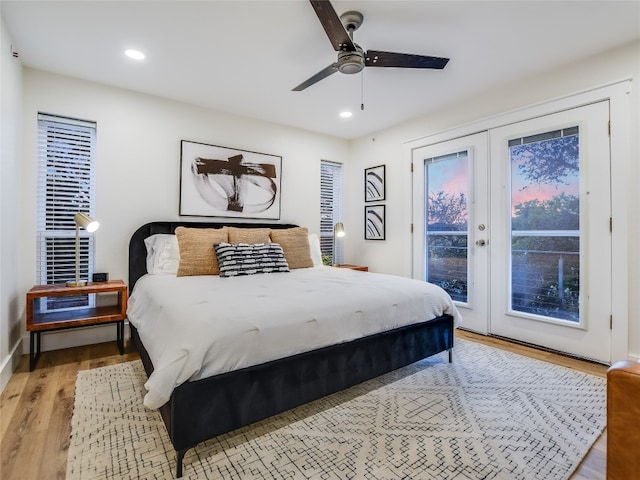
(36, 408)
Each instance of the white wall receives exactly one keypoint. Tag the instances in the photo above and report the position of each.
(138, 167)
(388, 147)
(10, 115)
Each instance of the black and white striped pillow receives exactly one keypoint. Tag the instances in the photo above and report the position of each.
(249, 259)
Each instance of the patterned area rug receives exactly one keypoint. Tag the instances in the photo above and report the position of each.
(489, 415)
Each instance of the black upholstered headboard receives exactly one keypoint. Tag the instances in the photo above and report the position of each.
(138, 251)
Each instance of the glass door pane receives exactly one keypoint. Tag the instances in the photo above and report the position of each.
(446, 184)
(545, 224)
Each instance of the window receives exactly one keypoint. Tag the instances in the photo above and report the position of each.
(330, 208)
(447, 184)
(66, 185)
(545, 224)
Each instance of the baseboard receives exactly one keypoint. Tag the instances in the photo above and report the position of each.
(9, 364)
(75, 337)
(635, 358)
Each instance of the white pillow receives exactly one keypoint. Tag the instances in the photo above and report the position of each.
(316, 253)
(163, 255)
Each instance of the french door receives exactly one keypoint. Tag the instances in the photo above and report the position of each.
(515, 224)
(451, 223)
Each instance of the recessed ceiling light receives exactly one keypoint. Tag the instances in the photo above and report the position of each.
(346, 114)
(135, 54)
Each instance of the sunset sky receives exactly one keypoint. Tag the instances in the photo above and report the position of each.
(538, 191)
(451, 175)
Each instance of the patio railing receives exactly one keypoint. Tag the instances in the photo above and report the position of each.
(544, 281)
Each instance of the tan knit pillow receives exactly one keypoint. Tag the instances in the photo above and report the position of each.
(197, 256)
(295, 243)
(249, 235)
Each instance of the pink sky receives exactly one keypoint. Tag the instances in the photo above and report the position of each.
(540, 191)
(452, 176)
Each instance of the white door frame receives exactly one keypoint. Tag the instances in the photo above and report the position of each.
(618, 95)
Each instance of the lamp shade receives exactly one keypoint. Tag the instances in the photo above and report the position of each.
(86, 222)
(339, 229)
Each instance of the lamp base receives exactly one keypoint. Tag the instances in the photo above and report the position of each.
(79, 283)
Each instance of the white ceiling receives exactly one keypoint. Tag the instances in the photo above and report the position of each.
(244, 57)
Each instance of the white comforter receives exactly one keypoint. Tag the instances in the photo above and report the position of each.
(195, 327)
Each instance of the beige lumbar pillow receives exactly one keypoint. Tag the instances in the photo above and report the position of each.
(249, 235)
(295, 244)
(197, 256)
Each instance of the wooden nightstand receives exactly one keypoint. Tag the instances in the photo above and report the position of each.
(360, 268)
(38, 322)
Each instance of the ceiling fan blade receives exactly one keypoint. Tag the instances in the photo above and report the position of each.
(331, 69)
(331, 23)
(376, 58)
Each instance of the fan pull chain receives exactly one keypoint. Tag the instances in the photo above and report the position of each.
(362, 91)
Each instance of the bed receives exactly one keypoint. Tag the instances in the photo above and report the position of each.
(244, 391)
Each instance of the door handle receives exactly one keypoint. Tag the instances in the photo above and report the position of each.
(481, 242)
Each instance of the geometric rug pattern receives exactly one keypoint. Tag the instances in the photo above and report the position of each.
(490, 414)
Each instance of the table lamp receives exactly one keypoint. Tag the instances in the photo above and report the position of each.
(90, 225)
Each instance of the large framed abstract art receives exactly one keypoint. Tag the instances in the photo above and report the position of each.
(226, 182)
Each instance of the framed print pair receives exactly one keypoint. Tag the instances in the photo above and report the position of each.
(374, 191)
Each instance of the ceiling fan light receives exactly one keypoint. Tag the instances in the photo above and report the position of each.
(351, 62)
(346, 114)
(351, 67)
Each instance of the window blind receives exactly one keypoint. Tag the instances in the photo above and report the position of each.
(330, 207)
(65, 185)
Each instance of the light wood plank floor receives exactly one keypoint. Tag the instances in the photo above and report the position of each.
(36, 408)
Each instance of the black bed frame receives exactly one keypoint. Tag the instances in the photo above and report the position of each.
(203, 409)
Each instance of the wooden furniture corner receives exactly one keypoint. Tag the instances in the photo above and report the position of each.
(360, 268)
(39, 321)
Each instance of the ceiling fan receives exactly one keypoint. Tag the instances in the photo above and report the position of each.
(351, 57)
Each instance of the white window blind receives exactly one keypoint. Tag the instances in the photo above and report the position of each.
(330, 208)
(66, 185)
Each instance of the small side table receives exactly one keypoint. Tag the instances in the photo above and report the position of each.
(38, 322)
(360, 268)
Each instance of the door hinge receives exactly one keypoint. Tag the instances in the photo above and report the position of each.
(610, 322)
(412, 228)
(610, 224)
(411, 167)
(609, 128)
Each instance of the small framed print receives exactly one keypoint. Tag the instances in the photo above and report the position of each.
(374, 183)
(374, 222)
